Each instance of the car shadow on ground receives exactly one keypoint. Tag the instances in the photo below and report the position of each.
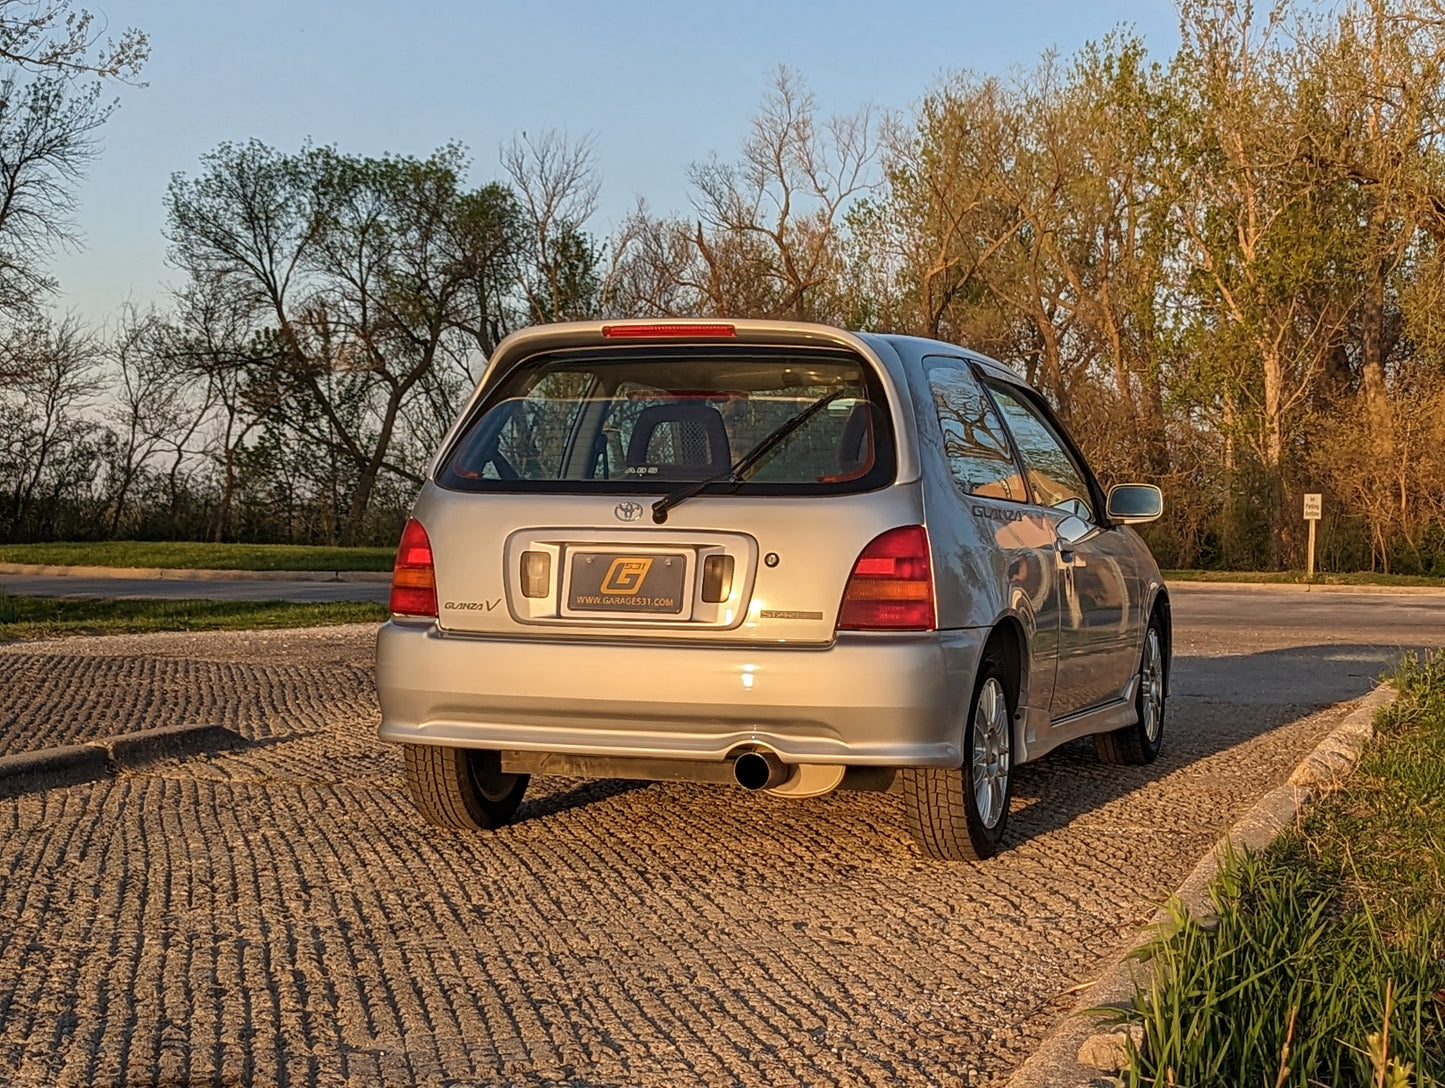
(1215, 704)
(568, 793)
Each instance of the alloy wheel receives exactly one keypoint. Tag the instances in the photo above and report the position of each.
(1151, 686)
(991, 752)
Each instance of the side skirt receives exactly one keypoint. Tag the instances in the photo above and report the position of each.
(1099, 719)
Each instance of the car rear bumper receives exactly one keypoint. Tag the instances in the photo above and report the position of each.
(865, 700)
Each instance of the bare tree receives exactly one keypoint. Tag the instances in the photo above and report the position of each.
(557, 185)
(53, 65)
(769, 225)
(949, 208)
(44, 436)
(652, 268)
(214, 340)
(155, 406)
(1386, 463)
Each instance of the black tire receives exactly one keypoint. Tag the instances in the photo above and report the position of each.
(942, 804)
(463, 788)
(1139, 743)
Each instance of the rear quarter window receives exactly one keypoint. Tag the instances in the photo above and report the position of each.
(975, 444)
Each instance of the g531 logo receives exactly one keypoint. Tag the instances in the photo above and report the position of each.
(625, 576)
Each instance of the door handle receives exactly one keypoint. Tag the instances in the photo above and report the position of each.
(1072, 530)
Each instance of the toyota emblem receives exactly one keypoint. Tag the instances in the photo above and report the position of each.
(628, 511)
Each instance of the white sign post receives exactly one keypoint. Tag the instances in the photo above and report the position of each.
(1313, 505)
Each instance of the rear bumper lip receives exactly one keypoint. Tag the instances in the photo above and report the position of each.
(863, 701)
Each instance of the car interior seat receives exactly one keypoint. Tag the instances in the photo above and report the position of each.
(855, 447)
(681, 440)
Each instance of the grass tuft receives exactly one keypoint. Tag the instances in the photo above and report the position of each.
(1325, 962)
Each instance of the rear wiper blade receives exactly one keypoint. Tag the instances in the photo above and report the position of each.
(734, 472)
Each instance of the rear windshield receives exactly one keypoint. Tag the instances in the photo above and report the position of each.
(625, 421)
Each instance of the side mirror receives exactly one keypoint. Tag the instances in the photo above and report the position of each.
(1131, 504)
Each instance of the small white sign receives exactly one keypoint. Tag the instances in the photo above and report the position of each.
(1313, 503)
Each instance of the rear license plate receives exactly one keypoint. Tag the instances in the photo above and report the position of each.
(626, 583)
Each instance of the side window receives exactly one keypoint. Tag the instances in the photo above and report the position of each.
(1055, 478)
(974, 442)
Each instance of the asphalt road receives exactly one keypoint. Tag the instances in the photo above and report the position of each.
(34, 585)
(280, 914)
(1284, 645)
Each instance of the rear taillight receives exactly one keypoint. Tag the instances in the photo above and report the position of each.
(413, 578)
(891, 587)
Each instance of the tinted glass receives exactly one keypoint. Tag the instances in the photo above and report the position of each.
(1056, 480)
(640, 420)
(532, 430)
(973, 440)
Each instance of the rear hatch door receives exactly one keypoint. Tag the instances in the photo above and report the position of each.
(550, 513)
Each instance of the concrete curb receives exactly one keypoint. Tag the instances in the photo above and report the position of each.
(1055, 1064)
(30, 772)
(178, 574)
(1301, 587)
(65, 766)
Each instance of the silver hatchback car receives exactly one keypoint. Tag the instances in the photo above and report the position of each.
(776, 555)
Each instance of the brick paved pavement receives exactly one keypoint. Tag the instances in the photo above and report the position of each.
(280, 914)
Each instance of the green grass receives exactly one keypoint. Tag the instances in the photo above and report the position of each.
(1298, 577)
(185, 555)
(1326, 964)
(47, 617)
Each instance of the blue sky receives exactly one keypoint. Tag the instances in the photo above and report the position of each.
(657, 85)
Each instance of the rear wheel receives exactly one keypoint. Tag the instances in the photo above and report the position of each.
(959, 813)
(1140, 743)
(462, 788)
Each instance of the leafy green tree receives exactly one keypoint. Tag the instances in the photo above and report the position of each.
(946, 209)
(1263, 228)
(371, 277)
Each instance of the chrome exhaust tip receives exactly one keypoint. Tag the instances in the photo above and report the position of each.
(760, 771)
